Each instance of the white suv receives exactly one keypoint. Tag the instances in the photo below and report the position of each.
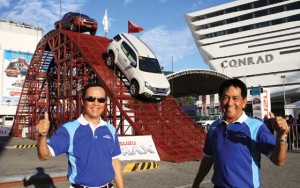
(139, 65)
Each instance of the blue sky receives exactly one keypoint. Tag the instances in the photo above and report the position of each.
(165, 29)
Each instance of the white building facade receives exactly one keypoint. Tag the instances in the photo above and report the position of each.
(257, 41)
(17, 45)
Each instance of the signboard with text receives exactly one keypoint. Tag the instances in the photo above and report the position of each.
(138, 148)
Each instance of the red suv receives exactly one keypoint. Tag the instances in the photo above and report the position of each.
(12, 72)
(77, 22)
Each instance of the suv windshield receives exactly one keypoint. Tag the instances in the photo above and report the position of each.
(149, 65)
(82, 16)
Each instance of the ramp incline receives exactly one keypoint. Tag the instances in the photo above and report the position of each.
(64, 61)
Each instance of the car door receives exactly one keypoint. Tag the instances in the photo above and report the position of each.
(127, 60)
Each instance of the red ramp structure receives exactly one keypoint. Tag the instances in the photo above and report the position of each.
(64, 61)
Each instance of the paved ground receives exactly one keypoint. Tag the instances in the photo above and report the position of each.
(17, 164)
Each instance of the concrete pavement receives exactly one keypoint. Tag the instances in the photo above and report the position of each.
(19, 163)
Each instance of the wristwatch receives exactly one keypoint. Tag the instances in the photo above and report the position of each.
(281, 140)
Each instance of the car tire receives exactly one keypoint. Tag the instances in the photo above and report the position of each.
(93, 32)
(73, 27)
(57, 26)
(110, 60)
(134, 89)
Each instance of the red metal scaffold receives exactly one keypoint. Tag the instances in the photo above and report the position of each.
(64, 61)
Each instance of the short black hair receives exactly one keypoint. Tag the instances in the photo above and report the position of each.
(235, 83)
(91, 84)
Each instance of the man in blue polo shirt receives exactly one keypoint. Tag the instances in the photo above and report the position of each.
(235, 142)
(91, 144)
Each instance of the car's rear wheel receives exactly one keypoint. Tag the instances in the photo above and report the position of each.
(110, 60)
(93, 32)
(73, 26)
(134, 89)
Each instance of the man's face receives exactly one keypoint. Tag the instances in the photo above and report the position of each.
(93, 110)
(232, 103)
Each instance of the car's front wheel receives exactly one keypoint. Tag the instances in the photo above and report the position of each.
(56, 26)
(134, 89)
(110, 60)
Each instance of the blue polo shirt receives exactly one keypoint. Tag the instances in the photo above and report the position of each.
(236, 149)
(89, 149)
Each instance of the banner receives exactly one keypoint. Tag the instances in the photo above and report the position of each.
(133, 28)
(138, 148)
(261, 102)
(15, 66)
(203, 105)
(212, 103)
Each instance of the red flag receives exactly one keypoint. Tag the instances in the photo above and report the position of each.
(133, 28)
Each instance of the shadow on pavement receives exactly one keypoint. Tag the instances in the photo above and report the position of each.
(39, 180)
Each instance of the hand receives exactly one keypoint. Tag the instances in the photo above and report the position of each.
(280, 126)
(43, 126)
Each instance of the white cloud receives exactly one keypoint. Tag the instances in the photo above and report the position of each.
(40, 13)
(127, 1)
(4, 3)
(166, 44)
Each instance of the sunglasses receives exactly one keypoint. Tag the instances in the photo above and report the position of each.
(92, 99)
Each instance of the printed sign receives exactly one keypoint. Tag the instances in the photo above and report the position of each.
(15, 68)
(138, 148)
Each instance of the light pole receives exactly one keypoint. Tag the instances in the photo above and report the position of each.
(283, 77)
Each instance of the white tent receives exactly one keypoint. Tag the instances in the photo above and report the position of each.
(293, 105)
(293, 109)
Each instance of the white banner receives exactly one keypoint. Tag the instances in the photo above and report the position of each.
(138, 148)
(266, 102)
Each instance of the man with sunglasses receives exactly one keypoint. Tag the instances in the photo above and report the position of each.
(91, 144)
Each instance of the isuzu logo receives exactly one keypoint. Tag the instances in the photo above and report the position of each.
(247, 61)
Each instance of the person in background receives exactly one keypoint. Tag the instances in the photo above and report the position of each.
(290, 139)
(235, 142)
(298, 126)
(91, 144)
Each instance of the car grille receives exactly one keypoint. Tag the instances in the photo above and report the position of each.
(160, 90)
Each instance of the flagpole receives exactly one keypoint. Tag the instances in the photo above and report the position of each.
(172, 89)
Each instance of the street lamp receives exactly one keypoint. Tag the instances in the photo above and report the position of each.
(283, 77)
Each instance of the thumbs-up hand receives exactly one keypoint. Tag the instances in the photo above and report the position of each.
(43, 126)
(279, 125)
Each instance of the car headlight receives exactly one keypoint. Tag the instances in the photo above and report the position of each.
(147, 85)
(168, 89)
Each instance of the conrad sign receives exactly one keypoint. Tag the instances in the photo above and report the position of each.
(234, 63)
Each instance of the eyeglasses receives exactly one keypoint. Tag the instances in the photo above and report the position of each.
(92, 99)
